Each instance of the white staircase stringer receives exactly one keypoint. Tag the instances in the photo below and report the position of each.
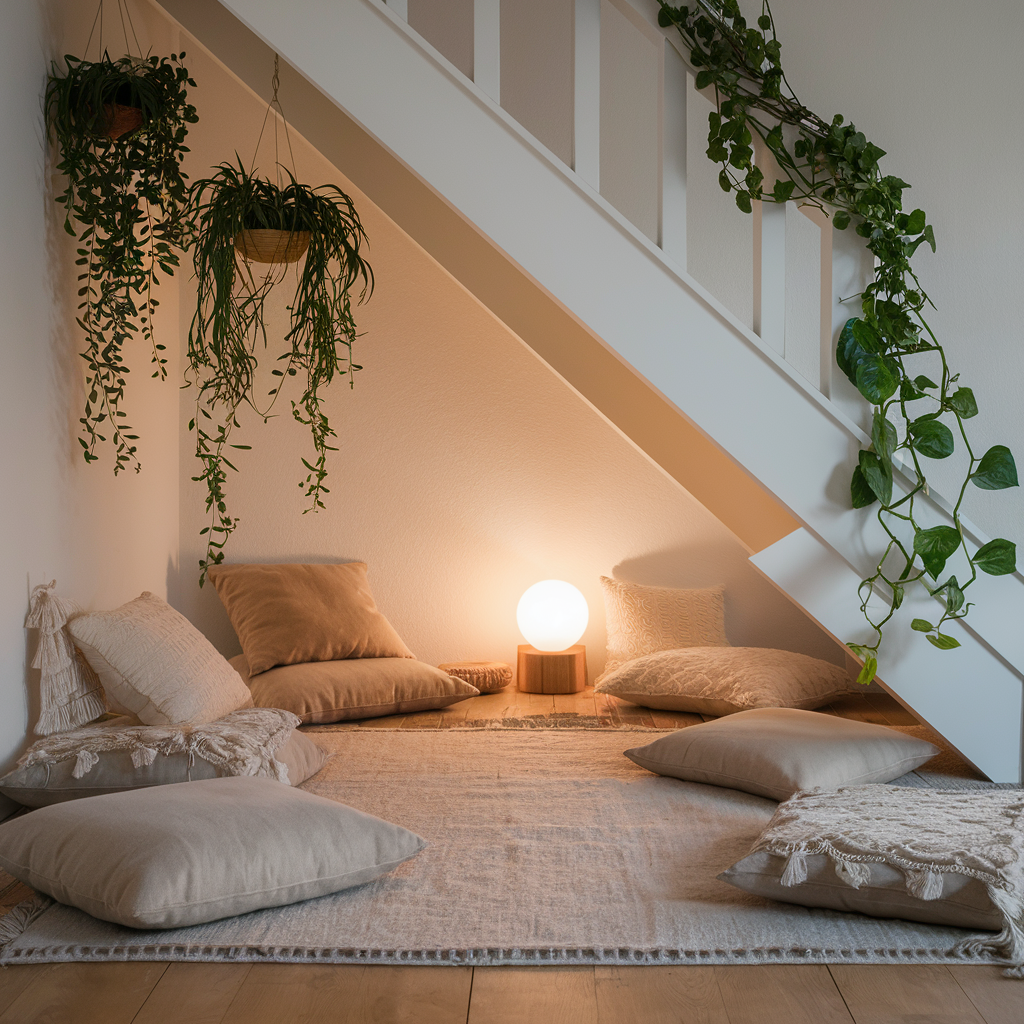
(954, 691)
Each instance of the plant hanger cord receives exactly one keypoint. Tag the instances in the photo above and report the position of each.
(124, 13)
(275, 83)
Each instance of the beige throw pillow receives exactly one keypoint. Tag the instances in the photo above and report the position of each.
(290, 614)
(178, 855)
(335, 691)
(122, 754)
(643, 620)
(724, 680)
(154, 664)
(776, 752)
(964, 902)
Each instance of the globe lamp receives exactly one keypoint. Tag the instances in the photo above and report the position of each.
(552, 616)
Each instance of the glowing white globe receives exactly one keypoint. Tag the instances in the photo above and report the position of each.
(552, 615)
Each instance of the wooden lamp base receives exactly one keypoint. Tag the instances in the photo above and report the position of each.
(544, 672)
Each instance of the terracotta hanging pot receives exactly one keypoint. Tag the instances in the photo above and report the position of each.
(270, 245)
(119, 120)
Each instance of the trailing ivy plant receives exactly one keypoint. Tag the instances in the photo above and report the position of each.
(228, 327)
(126, 202)
(832, 166)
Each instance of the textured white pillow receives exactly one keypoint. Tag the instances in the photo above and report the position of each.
(724, 680)
(197, 851)
(154, 664)
(642, 620)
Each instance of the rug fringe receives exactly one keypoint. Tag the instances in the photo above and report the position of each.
(492, 956)
(15, 921)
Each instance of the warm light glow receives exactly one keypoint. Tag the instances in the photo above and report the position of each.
(552, 615)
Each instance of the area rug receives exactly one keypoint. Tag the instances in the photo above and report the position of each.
(545, 848)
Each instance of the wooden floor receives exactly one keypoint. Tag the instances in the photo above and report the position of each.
(158, 993)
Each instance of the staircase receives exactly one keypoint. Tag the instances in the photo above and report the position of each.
(748, 369)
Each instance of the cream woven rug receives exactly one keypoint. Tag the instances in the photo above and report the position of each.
(546, 847)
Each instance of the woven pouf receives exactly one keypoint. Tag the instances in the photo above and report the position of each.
(486, 676)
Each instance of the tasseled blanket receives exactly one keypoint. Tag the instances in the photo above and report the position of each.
(923, 833)
(244, 742)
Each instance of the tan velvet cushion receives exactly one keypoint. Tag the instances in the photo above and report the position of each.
(41, 784)
(290, 614)
(153, 663)
(775, 752)
(724, 680)
(333, 691)
(643, 620)
(964, 902)
(177, 855)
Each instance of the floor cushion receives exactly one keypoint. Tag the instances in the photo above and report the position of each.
(183, 854)
(775, 752)
(335, 691)
(122, 754)
(290, 614)
(724, 680)
(154, 664)
(643, 620)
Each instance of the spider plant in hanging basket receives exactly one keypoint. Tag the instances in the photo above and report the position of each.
(241, 219)
(120, 128)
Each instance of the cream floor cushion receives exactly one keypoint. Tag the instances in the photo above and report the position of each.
(775, 752)
(336, 691)
(154, 664)
(724, 680)
(121, 754)
(643, 620)
(198, 851)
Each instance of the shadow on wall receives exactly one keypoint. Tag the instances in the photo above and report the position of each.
(752, 605)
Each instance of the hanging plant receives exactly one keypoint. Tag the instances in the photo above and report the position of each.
(832, 166)
(243, 220)
(120, 127)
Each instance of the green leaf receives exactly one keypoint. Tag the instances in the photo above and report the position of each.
(996, 470)
(943, 642)
(929, 236)
(841, 221)
(935, 546)
(931, 438)
(962, 402)
(861, 494)
(783, 190)
(916, 222)
(883, 436)
(704, 78)
(953, 594)
(877, 378)
(724, 181)
(877, 475)
(922, 625)
(743, 201)
(867, 673)
(998, 557)
(924, 382)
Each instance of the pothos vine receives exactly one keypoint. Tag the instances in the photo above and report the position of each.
(833, 167)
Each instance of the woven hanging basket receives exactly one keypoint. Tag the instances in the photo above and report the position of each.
(269, 245)
(120, 120)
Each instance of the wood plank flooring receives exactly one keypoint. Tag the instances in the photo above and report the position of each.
(158, 993)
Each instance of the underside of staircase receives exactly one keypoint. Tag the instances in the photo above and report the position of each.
(617, 314)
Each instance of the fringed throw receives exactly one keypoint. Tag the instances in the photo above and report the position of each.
(244, 742)
(923, 833)
(70, 695)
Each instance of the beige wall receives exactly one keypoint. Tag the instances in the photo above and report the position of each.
(467, 469)
(103, 539)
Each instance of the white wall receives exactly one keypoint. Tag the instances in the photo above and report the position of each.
(467, 469)
(104, 540)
